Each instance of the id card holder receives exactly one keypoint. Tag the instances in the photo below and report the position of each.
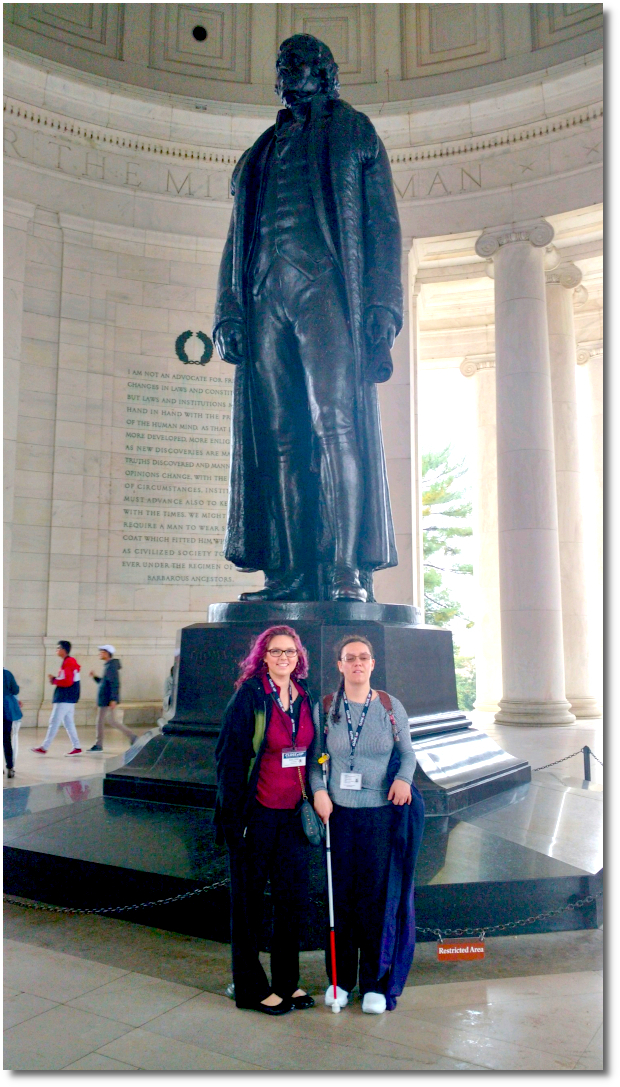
(350, 781)
(293, 756)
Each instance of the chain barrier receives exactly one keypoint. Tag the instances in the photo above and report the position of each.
(439, 933)
(117, 909)
(482, 931)
(565, 759)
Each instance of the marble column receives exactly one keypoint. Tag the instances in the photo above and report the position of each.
(529, 557)
(416, 452)
(486, 561)
(561, 282)
(590, 357)
(17, 218)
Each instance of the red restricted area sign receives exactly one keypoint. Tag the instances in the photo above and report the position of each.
(454, 950)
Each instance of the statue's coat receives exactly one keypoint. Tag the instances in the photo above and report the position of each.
(354, 199)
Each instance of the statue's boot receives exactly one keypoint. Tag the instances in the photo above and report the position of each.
(343, 490)
(291, 582)
(346, 584)
(290, 586)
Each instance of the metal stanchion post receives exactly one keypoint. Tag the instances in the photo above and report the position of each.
(586, 764)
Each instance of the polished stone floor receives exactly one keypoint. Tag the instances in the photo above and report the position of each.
(33, 769)
(72, 1011)
(92, 993)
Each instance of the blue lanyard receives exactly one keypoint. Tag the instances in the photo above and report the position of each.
(276, 695)
(354, 736)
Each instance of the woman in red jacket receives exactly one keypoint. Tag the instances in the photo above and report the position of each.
(261, 759)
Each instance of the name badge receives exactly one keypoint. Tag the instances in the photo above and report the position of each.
(350, 781)
(293, 756)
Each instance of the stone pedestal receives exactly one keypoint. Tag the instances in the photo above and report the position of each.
(560, 284)
(414, 663)
(457, 765)
(529, 562)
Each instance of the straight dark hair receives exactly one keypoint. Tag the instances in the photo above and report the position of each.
(65, 645)
(340, 645)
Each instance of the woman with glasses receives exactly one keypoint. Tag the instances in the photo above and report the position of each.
(261, 760)
(370, 773)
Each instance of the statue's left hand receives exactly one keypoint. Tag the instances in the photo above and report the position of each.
(230, 341)
(379, 324)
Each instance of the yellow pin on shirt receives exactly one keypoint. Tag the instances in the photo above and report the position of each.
(323, 758)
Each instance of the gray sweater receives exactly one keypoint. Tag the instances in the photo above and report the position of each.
(372, 754)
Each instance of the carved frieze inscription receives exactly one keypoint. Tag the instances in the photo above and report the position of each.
(485, 163)
(174, 175)
(509, 162)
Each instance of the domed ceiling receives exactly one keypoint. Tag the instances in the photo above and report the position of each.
(386, 52)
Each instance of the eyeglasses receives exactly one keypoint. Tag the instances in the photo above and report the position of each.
(290, 653)
(351, 658)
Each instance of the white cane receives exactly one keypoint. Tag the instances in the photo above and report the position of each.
(330, 897)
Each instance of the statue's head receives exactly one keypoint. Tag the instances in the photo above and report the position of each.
(305, 67)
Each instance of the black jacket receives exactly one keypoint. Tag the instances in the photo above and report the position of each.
(10, 706)
(109, 683)
(238, 756)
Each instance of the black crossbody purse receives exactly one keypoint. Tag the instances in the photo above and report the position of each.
(313, 826)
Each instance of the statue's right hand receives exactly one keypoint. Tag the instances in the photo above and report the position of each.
(230, 342)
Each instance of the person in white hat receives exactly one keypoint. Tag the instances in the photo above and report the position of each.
(108, 697)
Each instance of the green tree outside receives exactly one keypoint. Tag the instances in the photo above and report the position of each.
(444, 509)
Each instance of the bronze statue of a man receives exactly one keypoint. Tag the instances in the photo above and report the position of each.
(309, 302)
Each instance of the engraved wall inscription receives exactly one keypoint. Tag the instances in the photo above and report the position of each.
(170, 477)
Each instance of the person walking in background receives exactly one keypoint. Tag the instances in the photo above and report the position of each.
(66, 694)
(108, 697)
(11, 713)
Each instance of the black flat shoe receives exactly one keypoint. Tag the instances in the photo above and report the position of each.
(276, 1009)
(302, 1002)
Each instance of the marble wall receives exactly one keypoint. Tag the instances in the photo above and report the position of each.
(117, 206)
(122, 451)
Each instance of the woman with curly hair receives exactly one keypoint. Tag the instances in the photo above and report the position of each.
(261, 760)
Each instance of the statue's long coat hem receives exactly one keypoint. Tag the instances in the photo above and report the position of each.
(352, 189)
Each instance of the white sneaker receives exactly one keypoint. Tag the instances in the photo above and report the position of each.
(342, 997)
(374, 1003)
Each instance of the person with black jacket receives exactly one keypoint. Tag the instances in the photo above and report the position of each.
(262, 757)
(11, 713)
(108, 697)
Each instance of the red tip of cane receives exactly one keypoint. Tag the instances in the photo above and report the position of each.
(332, 939)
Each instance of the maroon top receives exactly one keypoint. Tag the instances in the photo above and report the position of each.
(278, 787)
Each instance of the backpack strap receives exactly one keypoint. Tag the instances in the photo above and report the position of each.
(386, 702)
(327, 705)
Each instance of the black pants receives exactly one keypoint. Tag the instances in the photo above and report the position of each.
(275, 847)
(7, 730)
(360, 841)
